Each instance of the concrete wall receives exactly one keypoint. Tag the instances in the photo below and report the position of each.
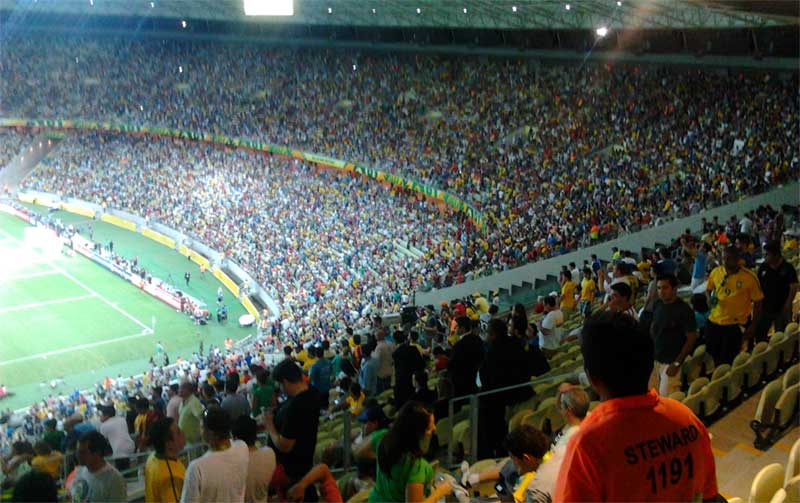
(647, 238)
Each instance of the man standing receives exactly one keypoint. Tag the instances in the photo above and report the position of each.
(261, 464)
(174, 404)
(407, 360)
(293, 428)
(734, 293)
(383, 352)
(636, 445)
(778, 280)
(619, 300)
(234, 404)
(115, 429)
(674, 331)
(320, 375)
(189, 413)
(368, 374)
(187, 276)
(466, 358)
(221, 473)
(568, 288)
(96, 480)
(164, 472)
(550, 327)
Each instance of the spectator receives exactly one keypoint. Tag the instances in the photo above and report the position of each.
(321, 376)
(262, 461)
(700, 264)
(263, 392)
(375, 426)
(221, 473)
(115, 429)
(422, 393)
(466, 358)
(734, 295)
(293, 428)
(46, 459)
(407, 361)
(174, 403)
(164, 473)
(368, 375)
(619, 300)
(383, 353)
(701, 312)
(573, 405)
(568, 288)
(618, 359)
(189, 413)
(403, 474)
(234, 404)
(95, 480)
(674, 332)
(550, 327)
(35, 486)
(588, 289)
(17, 464)
(778, 280)
(52, 436)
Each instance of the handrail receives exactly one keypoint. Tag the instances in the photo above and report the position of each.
(474, 407)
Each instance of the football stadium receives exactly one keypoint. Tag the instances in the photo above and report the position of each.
(399, 250)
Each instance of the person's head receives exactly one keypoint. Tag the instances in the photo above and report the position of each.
(373, 419)
(527, 446)
(289, 376)
(567, 275)
(287, 351)
(216, 426)
(142, 405)
(463, 325)
(497, 330)
(730, 258)
(92, 448)
(174, 388)
(494, 309)
(22, 448)
(699, 303)
(420, 379)
(573, 403)
(186, 390)
(667, 285)
(519, 310)
(355, 390)
(231, 385)
(410, 435)
(619, 299)
(356, 339)
(772, 253)
(37, 486)
(262, 376)
(50, 425)
(549, 303)
(400, 337)
(587, 273)
(245, 429)
(106, 412)
(42, 448)
(617, 356)
(572, 265)
(167, 438)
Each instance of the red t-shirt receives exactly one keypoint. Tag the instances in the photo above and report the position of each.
(638, 448)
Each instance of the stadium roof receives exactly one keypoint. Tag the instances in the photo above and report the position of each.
(479, 14)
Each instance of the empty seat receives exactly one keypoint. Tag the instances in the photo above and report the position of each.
(515, 421)
(714, 393)
(756, 365)
(444, 431)
(779, 496)
(763, 422)
(461, 435)
(766, 483)
(793, 466)
(792, 376)
(739, 369)
(691, 369)
(537, 419)
(786, 406)
(772, 360)
(792, 488)
(706, 360)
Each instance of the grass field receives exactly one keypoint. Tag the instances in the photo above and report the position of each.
(68, 319)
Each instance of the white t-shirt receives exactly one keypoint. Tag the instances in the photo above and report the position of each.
(259, 474)
(106, 484)
(543, 485)
(115, 429)
(217, 475)
(552, 321)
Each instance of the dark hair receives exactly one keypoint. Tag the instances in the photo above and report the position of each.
(616, 352)
(96, 443)
(244, 428)
(527, 440)
(400, 337)
(550, 301)
(773, 247)
(497, 328)
(422, 378)
(355, 388)
(160, 434)
(669, 278)
(217, 421)
(493, 309)
(262, 375)
(732, 250)
(174, 387)
(35, 485)
(231, 385)
(287, 370)
(22, 447)
(356, 339)
(623, 289)
(403, 437)
(287, 350)
(142, 404)
(699, 303)
(464, 323)
(567, 274)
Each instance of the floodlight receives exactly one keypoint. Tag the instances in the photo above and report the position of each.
(602, 31)
(419, 11)
(513, 8)
(568, 6)
(269, 7)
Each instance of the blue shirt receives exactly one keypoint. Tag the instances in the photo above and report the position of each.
(320, 375)
(699, 269)
(368, 376)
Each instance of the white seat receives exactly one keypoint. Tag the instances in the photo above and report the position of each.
(793, 466)
(766, 483)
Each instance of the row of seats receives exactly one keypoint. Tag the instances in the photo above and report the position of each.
(777, 407)
(776, 484)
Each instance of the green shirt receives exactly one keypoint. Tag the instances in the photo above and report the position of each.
(408, 471)
(189, 416)
(263, 396)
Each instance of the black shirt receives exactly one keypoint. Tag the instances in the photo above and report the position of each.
(775, 284)
(298, 420)
(671, 323)
(465, 360)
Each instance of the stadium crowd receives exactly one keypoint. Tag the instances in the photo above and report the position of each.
(520, 143)
(12, 140)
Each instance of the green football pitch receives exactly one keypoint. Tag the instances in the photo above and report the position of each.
(68, 320)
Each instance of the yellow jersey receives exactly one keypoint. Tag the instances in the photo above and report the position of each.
(163, 479)
(588, 287)
(735, 294)
(568, 294)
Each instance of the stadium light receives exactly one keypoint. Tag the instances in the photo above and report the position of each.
(183, 24)
(355, 67)
(330, 11)
(180, 69)
(513, 8)
(91, 2)
(568, 6)
(268, 7)
(465, 10)
(373, 11)
(602, 31)
(141, 108)
(152, 5)
(619, 4)
(419, 11)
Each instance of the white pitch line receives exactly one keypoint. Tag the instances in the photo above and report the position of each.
(27, 276)
(45, 303)
(76, 348)
(82, 285)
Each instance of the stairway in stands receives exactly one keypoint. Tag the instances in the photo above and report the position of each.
(20, 166)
